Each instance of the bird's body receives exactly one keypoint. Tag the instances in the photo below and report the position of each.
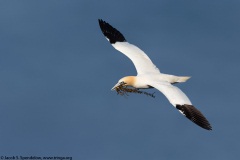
(142, 80)
(149, 76)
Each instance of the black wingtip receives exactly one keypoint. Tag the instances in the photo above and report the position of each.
(194, 115)
(110, 32)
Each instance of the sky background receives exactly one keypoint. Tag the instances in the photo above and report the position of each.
(57, 69)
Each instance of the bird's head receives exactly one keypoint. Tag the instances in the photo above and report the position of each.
(125, 81)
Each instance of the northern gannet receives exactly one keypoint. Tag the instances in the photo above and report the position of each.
(149, 76)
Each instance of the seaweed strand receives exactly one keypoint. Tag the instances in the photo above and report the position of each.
(123, 90)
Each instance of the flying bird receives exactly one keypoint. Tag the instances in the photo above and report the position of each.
(149, 76)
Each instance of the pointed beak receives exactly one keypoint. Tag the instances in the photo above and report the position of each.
(115, 86)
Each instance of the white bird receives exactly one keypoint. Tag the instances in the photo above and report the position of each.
(149, 76)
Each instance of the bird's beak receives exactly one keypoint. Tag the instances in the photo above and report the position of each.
(115, 86)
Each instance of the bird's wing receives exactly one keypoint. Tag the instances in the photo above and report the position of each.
(180, 101)
(141, 61)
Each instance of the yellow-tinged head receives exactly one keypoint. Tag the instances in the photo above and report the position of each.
(127, 81)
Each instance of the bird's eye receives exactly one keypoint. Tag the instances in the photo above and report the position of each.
(122, 83)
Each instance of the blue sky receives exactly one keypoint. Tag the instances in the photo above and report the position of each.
(57, 70)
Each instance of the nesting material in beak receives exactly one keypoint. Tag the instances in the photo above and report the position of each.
(123, 90)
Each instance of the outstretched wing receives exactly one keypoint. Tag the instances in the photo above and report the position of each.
(141, 61)
(180, 101)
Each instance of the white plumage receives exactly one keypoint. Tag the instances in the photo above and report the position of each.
(142, 62)
(148, 75)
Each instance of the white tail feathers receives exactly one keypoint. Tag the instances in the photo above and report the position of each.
(182, 79)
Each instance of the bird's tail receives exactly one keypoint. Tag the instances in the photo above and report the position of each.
(182, 79)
